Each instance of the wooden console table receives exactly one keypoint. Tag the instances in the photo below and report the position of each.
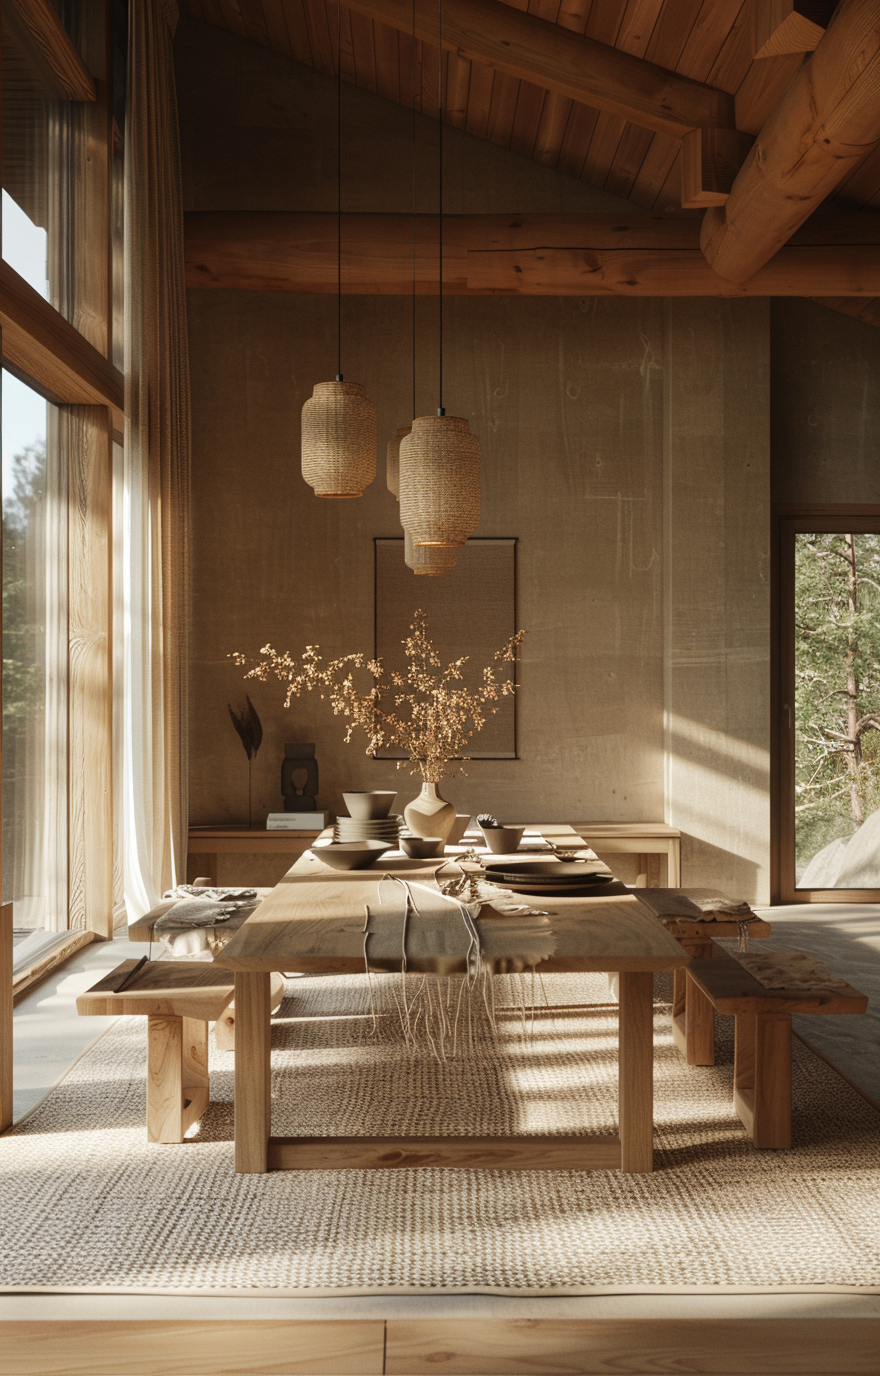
(642, 839)
(206, 843)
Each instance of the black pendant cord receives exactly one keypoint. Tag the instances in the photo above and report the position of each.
(413, 83)
(441, 410)
(339, 189)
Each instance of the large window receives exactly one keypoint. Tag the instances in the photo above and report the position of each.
(35, 646)
(830, 679)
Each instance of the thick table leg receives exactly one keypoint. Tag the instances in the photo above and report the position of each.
(636, 1084)
(253, 1091)
(177, 1075)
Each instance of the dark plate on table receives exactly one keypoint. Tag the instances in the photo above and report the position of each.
(548, 873)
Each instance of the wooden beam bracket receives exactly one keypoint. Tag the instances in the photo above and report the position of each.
(35, 26)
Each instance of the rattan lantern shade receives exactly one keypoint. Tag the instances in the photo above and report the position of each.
(339, 439)
(427, 560)
(392, 459)
(440, 481)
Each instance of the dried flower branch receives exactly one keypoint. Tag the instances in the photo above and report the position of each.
(430, 713)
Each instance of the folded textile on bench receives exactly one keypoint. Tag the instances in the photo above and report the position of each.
(183, 928)
(695, 905)
(792, 970)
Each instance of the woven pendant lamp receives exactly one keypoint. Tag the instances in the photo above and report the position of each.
(392, 459)
(339, 439)
(427, 559)
(440, 482)
(339, 420)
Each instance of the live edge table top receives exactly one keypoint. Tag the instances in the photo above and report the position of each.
(313, 923)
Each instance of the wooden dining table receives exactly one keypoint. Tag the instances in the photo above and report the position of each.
(313, 923)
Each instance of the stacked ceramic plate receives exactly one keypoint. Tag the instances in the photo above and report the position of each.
(374, 829)
(549, 876)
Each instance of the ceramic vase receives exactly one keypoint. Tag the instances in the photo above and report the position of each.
(430, 814)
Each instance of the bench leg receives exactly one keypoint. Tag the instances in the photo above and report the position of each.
(177, 1076)
(762, 1077)
(693, 1017)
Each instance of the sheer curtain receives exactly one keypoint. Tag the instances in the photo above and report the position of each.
(153, 498)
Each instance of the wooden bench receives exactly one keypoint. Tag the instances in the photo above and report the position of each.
(178, 998)
(693, 1017)
(762, 1054)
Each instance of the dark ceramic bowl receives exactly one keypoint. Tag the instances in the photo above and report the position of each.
(351, 855)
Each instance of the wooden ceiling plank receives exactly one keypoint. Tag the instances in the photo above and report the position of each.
(364, 50)
(544, 9)
(287, 29)
(388, 75)
(232, 18)
(661, 41)
(653, 171)
(430, 80)
(529, 49)
(574, 15)
(605, 22)
(637, 26)
(479, 100)
(669, 195)
(254, 20)
(603, 146)
(789, 26)
(409, 69)
(458, 83)
(827, 120)
(502, 108)
(628, 160)
(318, 17)
(527, 118)
(38, 30)
(551, 129)
(716, 30)
(576, 139)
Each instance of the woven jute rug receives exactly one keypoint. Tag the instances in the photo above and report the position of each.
(86, 1202)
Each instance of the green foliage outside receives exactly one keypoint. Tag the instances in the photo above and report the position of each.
(23, 638)
(837, 688)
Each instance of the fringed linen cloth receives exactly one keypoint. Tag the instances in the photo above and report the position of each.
(436, 934)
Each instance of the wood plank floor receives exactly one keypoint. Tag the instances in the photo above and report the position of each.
(455, 1347)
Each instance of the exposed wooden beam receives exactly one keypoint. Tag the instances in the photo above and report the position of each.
(790, 26)
(710, 160)
(39, 344)
(866, 309)
(827, 120)
(550, 255)
(531, 49)
(36, 27)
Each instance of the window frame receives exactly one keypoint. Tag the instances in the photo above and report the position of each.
(789, 522)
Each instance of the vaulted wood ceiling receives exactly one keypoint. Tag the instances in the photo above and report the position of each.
(617, 93)
(710, 41)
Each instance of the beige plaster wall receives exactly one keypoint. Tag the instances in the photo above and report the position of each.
(625, 444)
(826, 406)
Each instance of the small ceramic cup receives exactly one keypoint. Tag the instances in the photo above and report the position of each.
(422, 847)
(502, 840)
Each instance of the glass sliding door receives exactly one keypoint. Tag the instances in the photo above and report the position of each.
(830, 730)
(35, 656)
